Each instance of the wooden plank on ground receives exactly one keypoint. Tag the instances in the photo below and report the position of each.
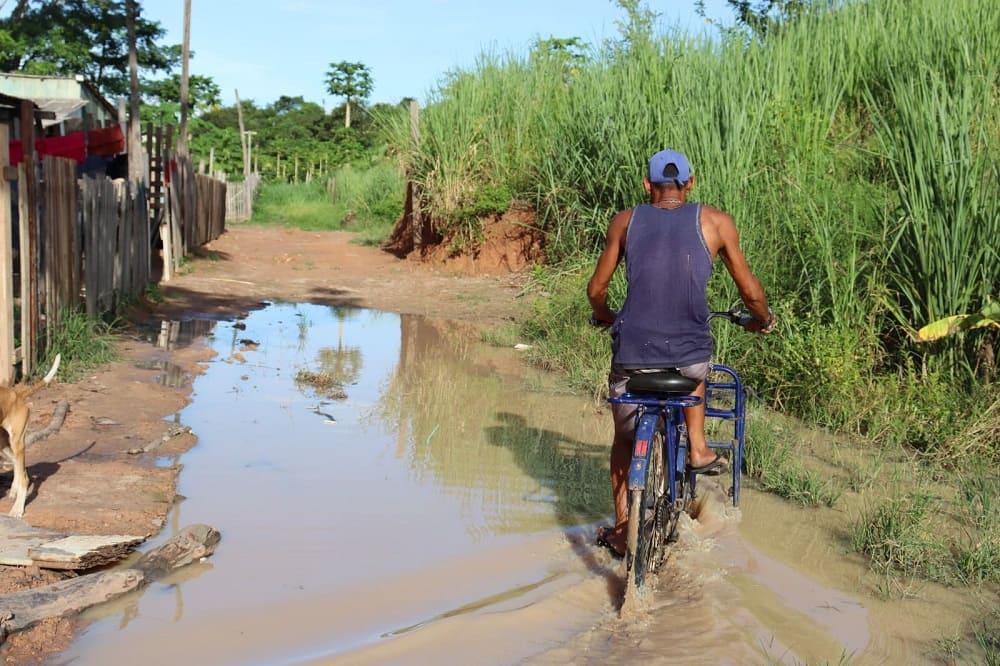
(83, 552)
(6, 268)
(24, 545)
(21, 610)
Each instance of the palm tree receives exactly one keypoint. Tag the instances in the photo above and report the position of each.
(350, 80)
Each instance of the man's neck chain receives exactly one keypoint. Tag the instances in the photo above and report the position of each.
(668, 203)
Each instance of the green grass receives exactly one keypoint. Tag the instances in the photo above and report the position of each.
(773, 461)
(366, 198)
(919, 534)
(84, 344)
(502, 335)
(303, 205)
(987, 635)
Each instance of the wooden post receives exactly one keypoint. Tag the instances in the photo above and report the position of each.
(415, 121)
(6, 267)
(211, 161)
(28, 196)
(182, 141)
(27, 286)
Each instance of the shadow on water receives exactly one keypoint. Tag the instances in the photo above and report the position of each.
(570, 468)
(464, 417)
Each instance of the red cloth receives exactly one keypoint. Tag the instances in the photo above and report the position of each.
(104, 142)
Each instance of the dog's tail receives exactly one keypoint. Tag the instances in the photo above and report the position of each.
(47, 379)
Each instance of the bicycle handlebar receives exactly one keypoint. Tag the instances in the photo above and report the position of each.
(737, 314)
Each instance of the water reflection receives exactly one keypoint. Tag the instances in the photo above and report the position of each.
(178, 334)
(524, 460)
(438, 459)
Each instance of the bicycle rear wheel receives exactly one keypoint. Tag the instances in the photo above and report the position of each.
(648, 516)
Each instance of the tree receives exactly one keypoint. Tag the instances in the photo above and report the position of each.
(762, 16)
(350, 80)
(88, 37)
(568, 53)
(204, 92)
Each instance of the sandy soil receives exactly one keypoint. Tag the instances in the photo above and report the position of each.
(85, 481)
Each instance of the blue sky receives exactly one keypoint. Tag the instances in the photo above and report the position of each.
(270, 48)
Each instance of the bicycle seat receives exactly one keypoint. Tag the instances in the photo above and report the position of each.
(667, 384)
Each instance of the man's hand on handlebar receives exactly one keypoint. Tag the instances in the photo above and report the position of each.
(603, 318)
(762, 327)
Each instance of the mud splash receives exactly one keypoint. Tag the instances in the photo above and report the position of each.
(444, 507)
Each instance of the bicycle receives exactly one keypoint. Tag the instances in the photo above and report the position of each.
(660, 490)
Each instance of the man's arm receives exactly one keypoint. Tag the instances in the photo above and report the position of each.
(749, 286)
(614, 248)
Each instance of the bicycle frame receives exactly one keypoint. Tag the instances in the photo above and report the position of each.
(648, 415)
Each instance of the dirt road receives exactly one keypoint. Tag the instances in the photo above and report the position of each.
(253, 264)
(85, 480)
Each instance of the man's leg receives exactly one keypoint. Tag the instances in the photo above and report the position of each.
(621, 456)
(694, 417)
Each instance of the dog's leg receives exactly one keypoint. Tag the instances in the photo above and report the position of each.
(18, 422)
(9, 455)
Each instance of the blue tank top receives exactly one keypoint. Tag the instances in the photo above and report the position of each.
(664, 322)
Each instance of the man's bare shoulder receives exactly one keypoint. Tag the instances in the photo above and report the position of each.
(715, 216)
(620, 221)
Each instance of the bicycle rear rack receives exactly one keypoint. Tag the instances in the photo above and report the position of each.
(737, 414)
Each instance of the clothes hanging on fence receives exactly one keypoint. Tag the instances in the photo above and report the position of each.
(101, 142)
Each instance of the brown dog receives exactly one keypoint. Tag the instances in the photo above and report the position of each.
(14, 414)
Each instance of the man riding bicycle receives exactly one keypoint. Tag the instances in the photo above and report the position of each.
(669, 246)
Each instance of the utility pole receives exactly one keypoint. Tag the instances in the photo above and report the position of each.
(243, 142)
(182, 140)
(250, 134)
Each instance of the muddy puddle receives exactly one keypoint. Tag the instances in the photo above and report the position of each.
(441, 512)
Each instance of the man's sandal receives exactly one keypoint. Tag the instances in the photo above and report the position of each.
(604, 541)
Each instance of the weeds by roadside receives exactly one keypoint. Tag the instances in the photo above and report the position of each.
(772, 461)
(917, 533)
(83, 342)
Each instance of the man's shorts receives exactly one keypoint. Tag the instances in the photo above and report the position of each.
(624, 415)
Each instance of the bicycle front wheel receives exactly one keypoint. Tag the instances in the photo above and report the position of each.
(647, 508)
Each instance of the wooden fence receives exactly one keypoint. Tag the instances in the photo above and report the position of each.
(240, 199)
(115, 226)
(89, 243)
(195, 212)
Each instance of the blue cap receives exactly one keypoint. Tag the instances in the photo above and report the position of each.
(665, 162)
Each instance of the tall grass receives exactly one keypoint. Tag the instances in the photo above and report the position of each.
(366, 197)
(855, 148)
